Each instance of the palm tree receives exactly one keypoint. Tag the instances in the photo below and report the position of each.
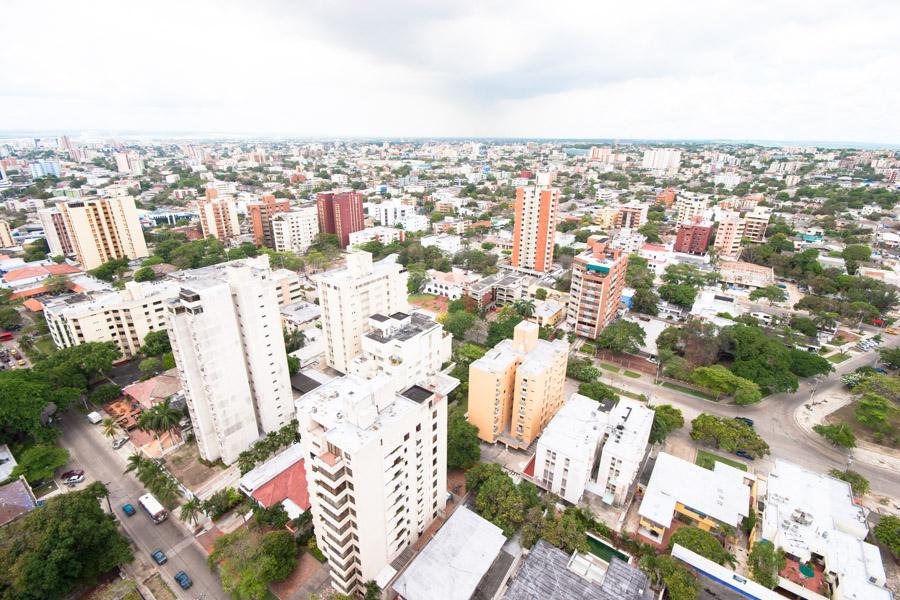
(191, 509)
(162, 417)
(110, 428)
(525, 308)
(135, 463)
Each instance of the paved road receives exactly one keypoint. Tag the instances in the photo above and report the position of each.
(774, 420)
(91, 452)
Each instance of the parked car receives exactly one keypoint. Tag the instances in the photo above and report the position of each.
(745, 421)
(744, 454)
(880, 370)
(73, 480)
(119, 443)
(891, 331)
(159, 557)
(129, 510)
(21, 363)
(183, 580)
(72, 473)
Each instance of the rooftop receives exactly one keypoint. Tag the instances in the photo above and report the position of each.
(280, 480)
(577, 428)
(720, 493)
(16, 500)
(453, 563)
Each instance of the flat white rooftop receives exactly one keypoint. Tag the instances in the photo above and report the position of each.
(577, 428)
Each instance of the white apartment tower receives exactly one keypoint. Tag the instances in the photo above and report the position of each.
(350, 295)
(296, 230)
(376, 464)
(392, 212)
(225, 329)
(103, 229)
(690, 208)
(665, 159)
(623, 452)
(218, 217)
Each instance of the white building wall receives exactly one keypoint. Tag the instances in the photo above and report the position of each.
(295, 231)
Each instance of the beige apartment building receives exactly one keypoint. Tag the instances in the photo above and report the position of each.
(218, 216)
(755, 224)
(729, 235)
(6, 238)
(104, 229)
(517, 387)
(124, 317)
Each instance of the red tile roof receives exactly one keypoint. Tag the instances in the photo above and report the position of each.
(290, 483)
(25, 273)
(33, 305)
(61, 269)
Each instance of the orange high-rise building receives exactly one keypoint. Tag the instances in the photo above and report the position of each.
(666, 197)
(261, 214)
(535, 228)
(598, 278)
(218, 216)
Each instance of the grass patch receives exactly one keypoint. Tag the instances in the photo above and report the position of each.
(45, 345)
(159, 588)
(587, 349)
(838, 358)
(686, 390)
(625, 393)
(707, 460)
(420, 297)
(610, 368)
(632, 374)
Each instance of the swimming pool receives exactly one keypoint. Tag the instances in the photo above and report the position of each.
(604, 550)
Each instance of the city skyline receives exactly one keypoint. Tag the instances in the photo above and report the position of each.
(802, 71)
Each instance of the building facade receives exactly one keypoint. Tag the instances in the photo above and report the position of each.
(535, 227)
(296, 230)
(55, 232)
(225, 330)
(693, 238)
(218, 216)
(6, 238)
(124, 317)
(598, 278)
(729, 235)
(350, 295)
(377, 471)
(104, 229)
(261, 214)
(628, 434)
(340, 213)
(517, 387)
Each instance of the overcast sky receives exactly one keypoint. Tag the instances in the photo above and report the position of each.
(777, 70)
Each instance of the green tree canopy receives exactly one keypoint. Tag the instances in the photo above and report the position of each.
(773, 293)
(40, 462)
(766, 562)
(858, 484)
(728, 434)
(459, 322)
(703, 543)
(598, 391)
(622, 336)
(839, 434)
(666, 419)
(463, 448)
(722, 381)
(887, 532)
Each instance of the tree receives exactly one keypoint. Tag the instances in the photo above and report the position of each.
(772, 293)
(190, 510)
(645, 301)
(582, 370)
(759, 358)
(858, 484)
(499, 502)
(458, 323)
(838, 434)
(703, 543)
(144, 274)
(248, 561)
(808, 364)
(106, 393)
(857, 253)
(373, 592)
(417, 279)
(463, 448)
(68, 543)
(887, 532)
(666, 419)
(293, 365)
(156, 343)
(9, 317)
(150, 365)
(622, 336)
(159, 418)
(77, 366)
(891, 357)
(26, 396)
(766, 562)
(722, 381)
(679, 581)
(540, 293)
(40, 462)
(650, 230)
(110, 427)
(728, 434)
(680, 294)
(598, 391)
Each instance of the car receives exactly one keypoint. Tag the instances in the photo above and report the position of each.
(119, 443)
(183, 580)
(159, 557)
(745, 421)
(744, 454)
(74, 480)
(880, 370)
(21, 363)
(891, 331)
(72, 473)
(129, 510)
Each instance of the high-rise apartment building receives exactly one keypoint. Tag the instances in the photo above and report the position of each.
(44, 167)
(55, 232)
(340, 213)
(124, 317)
(690, 208)
(6, 238)
(598, 278)
(408, 348)
(631, 215)
(376, 464)
(623, 453)
(218, 216)
(127, 162)
(296, 230)
(693, 237)
(665, 159)
(350, 295)
(225, 329)
(729, 234)
(755, 224)
(104, 229)
(261, 214)
(517, 387)
(605, 216)
(535, 227)
(392, 212)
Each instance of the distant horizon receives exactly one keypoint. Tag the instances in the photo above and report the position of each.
(219, 136)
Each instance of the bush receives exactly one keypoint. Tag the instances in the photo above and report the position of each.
(838, 434)
(221, 502)
(887, 532)
(703, 543)
(106, 393)
(858, 484)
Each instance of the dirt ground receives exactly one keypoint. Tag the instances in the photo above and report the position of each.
(435, 304)
(307, 568)
(159, 588)
(845, 415)
(185, 465)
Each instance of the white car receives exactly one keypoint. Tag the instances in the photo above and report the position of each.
(73, 480)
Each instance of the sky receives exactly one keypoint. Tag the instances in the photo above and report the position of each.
(696, 69)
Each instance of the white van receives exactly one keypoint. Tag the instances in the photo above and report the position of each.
(94, 417)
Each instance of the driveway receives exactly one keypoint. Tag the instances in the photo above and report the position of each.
(93, 453)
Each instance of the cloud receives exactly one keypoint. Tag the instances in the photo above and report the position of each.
(777, 70)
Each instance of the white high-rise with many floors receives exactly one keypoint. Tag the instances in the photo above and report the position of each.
(296, 230)
(376, 464)
(664, 159)
(350, 295)
(225, 329)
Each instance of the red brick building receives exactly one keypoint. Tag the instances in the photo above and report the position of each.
(693, 238)
(340, 213)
